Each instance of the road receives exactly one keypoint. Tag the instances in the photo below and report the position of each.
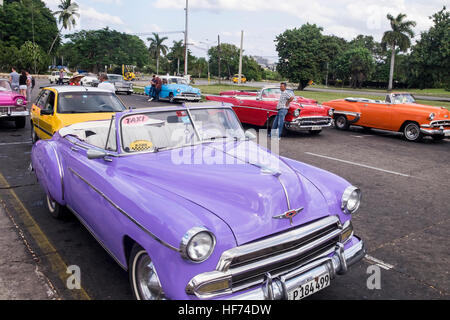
(404, 218)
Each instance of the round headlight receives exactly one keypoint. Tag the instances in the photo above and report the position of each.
(197, 244)
(178, 90)
(331, 112)
(431, 116)
(19, 102)
(351, 200)
(297, 112)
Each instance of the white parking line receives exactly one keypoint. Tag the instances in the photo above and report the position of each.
(378, 262)
(359, 164)
(14, 143)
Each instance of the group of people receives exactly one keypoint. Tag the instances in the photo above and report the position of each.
(23, 83)
(156, 85)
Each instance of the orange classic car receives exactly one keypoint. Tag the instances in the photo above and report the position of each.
(399, 112)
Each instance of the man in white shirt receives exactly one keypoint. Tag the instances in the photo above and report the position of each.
(105, 84)
(286, 98)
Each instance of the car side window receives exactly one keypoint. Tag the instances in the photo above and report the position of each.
(42, 99)
(50, 103)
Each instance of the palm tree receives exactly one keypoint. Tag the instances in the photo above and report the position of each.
(67, 12)
(157, 48)
(399, 37)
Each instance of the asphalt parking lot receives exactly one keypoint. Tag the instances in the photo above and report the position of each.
(404, 217)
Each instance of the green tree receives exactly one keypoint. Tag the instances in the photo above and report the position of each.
(17, 19)
(157, 48)
(355, 64)
(429, 60)
(67, 13)
(399, 37)
(32, 57)
(301, 56)
(229, 60)
(95, 49)
(176, 57)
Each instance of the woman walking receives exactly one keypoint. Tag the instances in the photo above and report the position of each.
(29, 87)
(23, 84)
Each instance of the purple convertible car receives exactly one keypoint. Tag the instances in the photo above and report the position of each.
(185, 201)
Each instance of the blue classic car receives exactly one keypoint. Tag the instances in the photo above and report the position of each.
(176, 89)
(186, 202)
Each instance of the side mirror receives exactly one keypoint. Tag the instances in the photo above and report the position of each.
(46, 112)
(250, 135)
(96, 154)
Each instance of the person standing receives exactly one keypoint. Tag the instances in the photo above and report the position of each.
(151, 94)
(158, 87)
(61, 77)
(23, 84)
(29, 85)
(105, 84)
(286, 97)
(14, 79)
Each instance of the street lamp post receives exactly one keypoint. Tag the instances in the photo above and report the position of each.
(186, 40)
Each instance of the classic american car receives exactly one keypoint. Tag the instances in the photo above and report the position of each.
(260, 109)
(54, 77)
(235, 78)
(90, 80)
(57, 107)
(177, 89)
(399, 112)
(13, 106)
(173, 195)
(120, 83)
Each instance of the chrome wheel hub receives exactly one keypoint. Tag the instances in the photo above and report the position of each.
(146, 278)
(412, 132)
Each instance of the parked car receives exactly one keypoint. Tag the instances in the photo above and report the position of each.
(57, 107)
(260, 109)
(184, 228)
(235, 78)
(54, 77)
(177, 89)
(90, 80)
(13, 106)
(398, 112)
(120, 84)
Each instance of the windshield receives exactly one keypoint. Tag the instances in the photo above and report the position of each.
(115, 78)
(155, 131)
(5, 86)
(89, 102)
(274, 93)
(403, 98)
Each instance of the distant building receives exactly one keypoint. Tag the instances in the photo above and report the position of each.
(265, 63)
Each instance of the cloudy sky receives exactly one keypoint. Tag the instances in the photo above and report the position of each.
(261, 20)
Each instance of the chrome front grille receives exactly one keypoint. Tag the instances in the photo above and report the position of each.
(314, 121)
(278, 254)
(189, 94)
(439, 123)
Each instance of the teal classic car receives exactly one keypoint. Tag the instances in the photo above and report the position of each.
(175, 89)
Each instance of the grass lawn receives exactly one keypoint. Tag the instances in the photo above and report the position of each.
(319, 96)
(421, 92)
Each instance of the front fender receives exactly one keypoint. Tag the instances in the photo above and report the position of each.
(46, 162)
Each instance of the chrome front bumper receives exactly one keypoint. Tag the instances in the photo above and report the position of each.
(304, 124)
(436, 131)
(187, 98)
(7, 112)
(278, 288)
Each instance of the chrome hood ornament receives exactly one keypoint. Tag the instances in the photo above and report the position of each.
(289, 215)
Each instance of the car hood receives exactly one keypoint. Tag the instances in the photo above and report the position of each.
(241, 194)
(182, 87)
(9, 97)
(311, 110)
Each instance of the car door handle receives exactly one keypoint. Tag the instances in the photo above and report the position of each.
(74, 149)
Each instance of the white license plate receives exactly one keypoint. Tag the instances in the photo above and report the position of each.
(310, 287)
(447, 134)
(316, 128)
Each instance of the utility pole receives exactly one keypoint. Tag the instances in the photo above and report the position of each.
(186, 41)
(326, 80)
(240, 57)
(218, 50)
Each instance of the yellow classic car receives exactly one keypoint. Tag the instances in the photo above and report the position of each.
(58, 107)
(235, 78)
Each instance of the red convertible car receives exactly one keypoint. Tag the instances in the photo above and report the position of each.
(260, 109)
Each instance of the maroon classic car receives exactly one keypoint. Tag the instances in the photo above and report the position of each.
(260, 109)
(13, 106)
